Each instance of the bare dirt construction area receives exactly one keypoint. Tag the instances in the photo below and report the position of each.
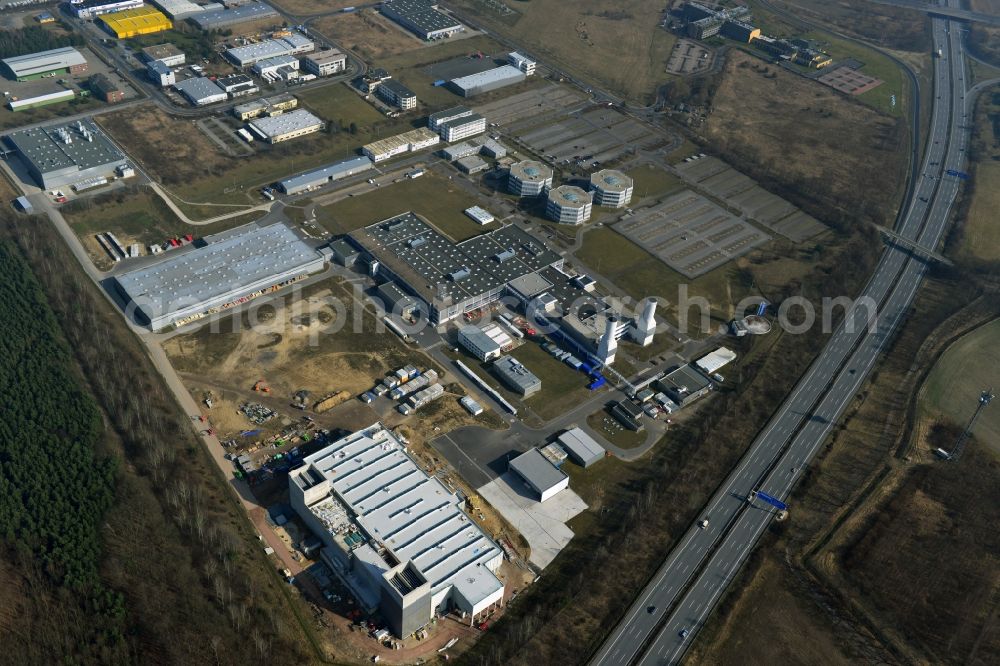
(619, 45)
(807, 143)
(367, 33)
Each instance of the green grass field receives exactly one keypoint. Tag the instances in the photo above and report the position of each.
(981, 234)
(640, 275)
(651, 181)
(970, 365)
(141, 218)
(608, 427)
(877, 65)
(430, 196)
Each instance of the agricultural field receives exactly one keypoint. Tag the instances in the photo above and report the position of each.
(807, 143)
(196, 172)
(980, 232)
(431, 196)
(620, 47)
(969, 366)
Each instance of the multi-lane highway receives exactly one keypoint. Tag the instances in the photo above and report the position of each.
(662, 623)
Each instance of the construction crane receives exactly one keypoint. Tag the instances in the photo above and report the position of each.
(984, 399)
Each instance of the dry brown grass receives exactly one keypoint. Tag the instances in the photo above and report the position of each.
(620, 46)
(807, 140)
(312, 7)
(367, 33)
(884, 25)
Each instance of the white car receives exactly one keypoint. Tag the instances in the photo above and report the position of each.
(703, 523)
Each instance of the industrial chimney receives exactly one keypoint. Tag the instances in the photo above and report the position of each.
(608, 345)
(645, 326)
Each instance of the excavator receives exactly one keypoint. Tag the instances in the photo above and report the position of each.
(261, 386)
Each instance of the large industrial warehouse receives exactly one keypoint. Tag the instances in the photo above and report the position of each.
(491, 79)
(130, 23)
(422, 17)
(452, 278)
(229, 269)
(44, 64)
(399, 536)
(275, 129)
(310, 180)
(65, 154)
(221, 19)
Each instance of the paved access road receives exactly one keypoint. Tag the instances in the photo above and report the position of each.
(684, 591)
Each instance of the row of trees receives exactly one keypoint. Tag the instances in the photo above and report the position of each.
(34, 39)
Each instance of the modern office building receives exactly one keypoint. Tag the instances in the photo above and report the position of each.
(45, 64)
(130, 23)
(201, 91)
(544, 478)
(160, 74)
(395, 93)
(395, 535)
(310, 180)
(491, 79)
(486, 343)
(568, 204)
(325, 63)
(450, 278)
(168, 54)
(611, 188)
(227, 270)
(422, 17)
(285, 126)
(293, 44)
(61, 155)
(456, 129)
(91, 8)
(523, 63)
(516, 376)
(407, 142)
(529, 178)
(222, 19)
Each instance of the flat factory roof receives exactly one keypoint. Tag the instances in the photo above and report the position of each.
(178, 8)
(419, 135)
(324, 174)
(715, 360)
(495, 75)
(199, 88)
(437, 268)
(237, 261)
(534, 468)
(44, 61)
(161, 52)
(512, 370)
(581, 445)
(396, 503)
(422, 13)
(293, 121)
(63, 146)
(222, 17)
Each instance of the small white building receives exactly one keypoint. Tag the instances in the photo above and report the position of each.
(160, 74)
(325, 63)
(523, 63)
(479, 215)
(485, 343)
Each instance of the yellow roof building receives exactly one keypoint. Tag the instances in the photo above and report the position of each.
(134, 22)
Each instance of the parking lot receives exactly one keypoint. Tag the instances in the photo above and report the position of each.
(689, 57)
(531, 107)
(691, 234)
(722, 181)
